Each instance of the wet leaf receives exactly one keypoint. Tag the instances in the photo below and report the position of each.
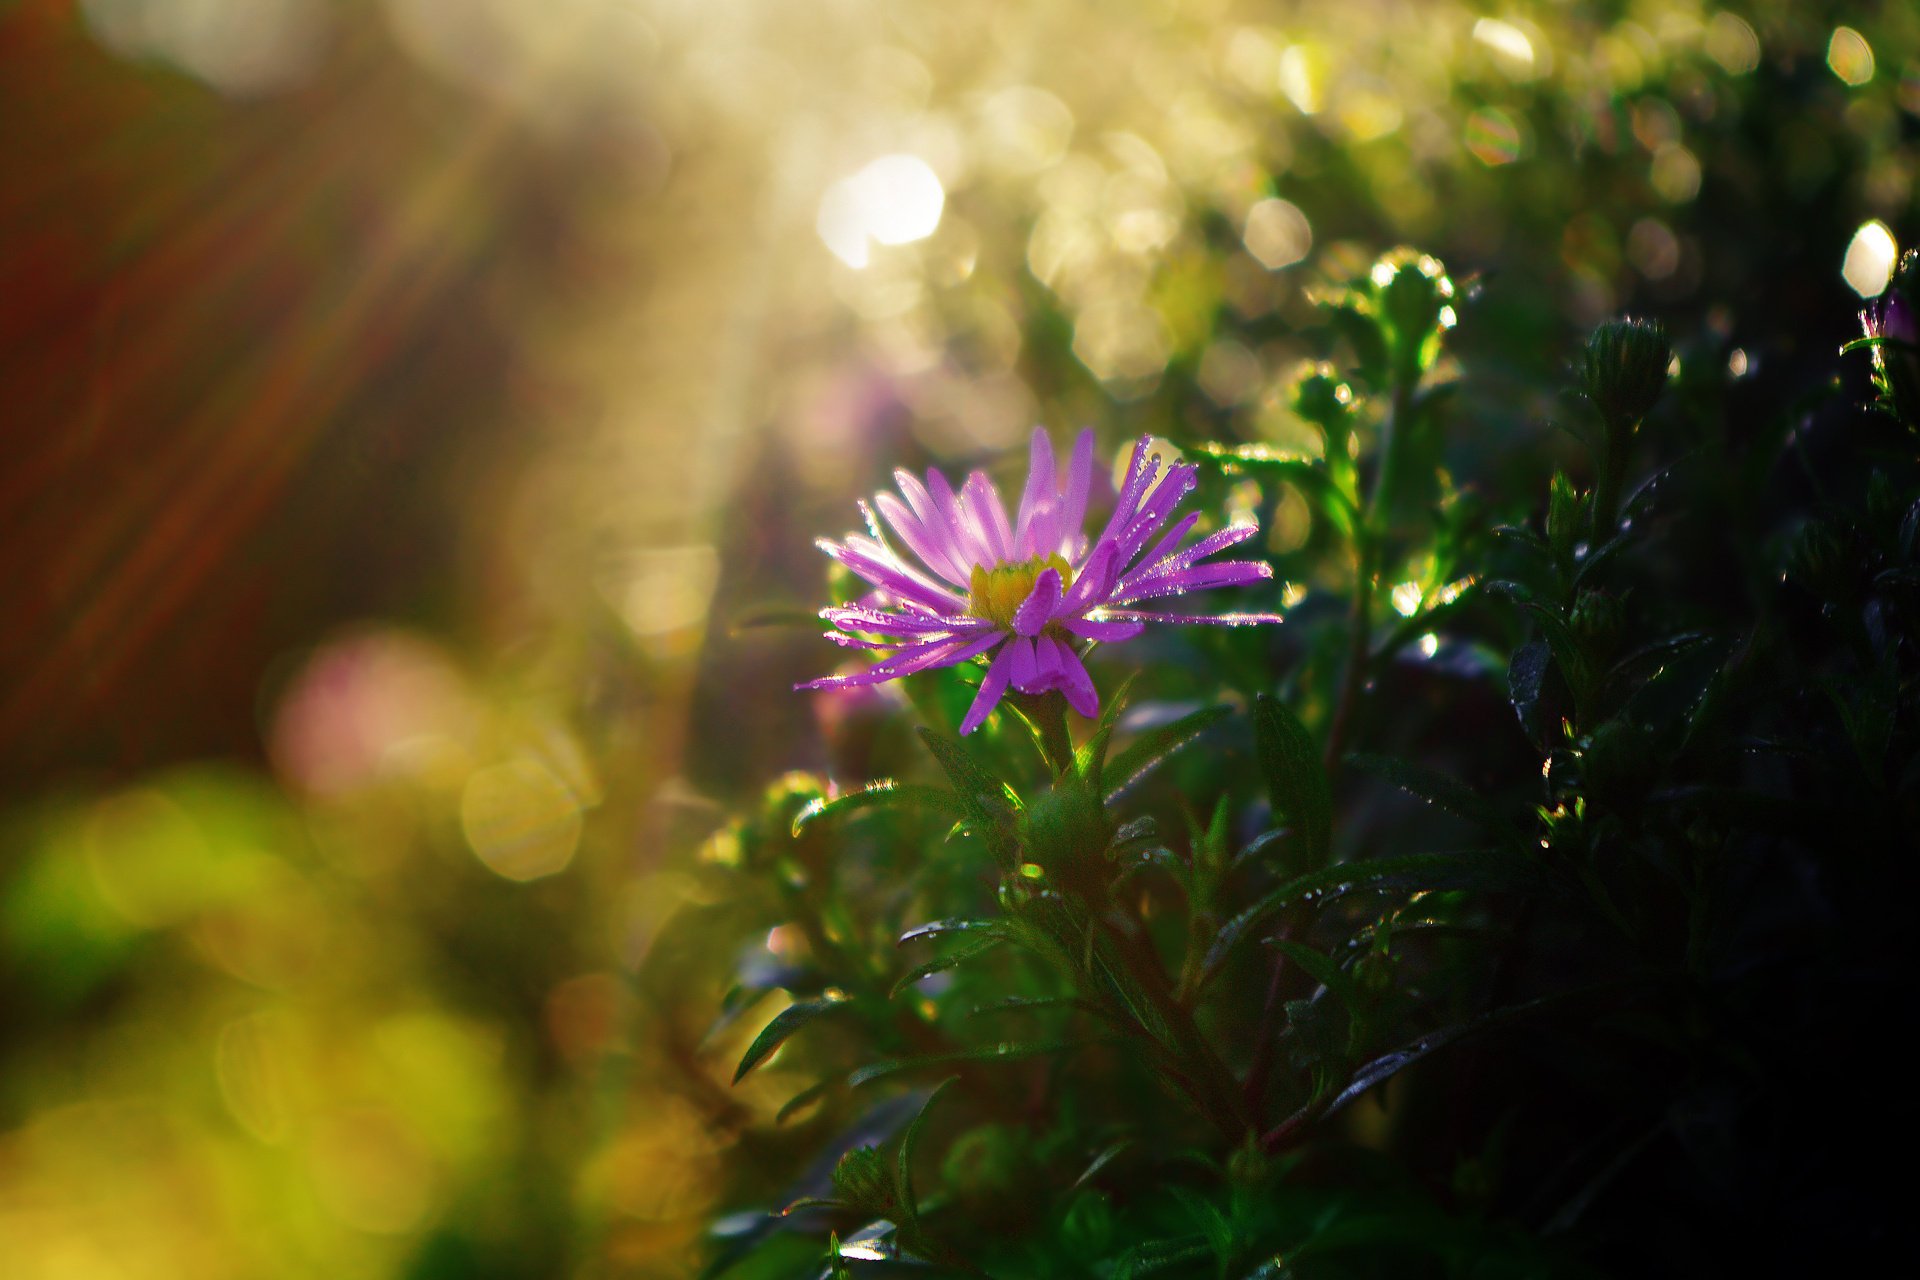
(939, 964)
(784, 1024)
(902, 1167)
(987, 803)
(1440, 790)
(884, 793)
(1145, 753)
(1296, 778)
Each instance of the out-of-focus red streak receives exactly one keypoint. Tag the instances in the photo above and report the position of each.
(191, 292)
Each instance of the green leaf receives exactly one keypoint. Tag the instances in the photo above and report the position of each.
(1044, 717)
(1206, 1215)
(987, 803)
(1112, 1152)
(802, 1098)
(1006, 1051)
(1090, 760)
(784, 1024)
(959, 955)
(1145, 753)
(1320, 968)
(1388, 1065)
(1426, 872)
(883, 793)
(1296, 779)
(1526, 687)
(933, 928)
(1303, 473)
(1439, 790)
(1160, 1255)
(902, 1173)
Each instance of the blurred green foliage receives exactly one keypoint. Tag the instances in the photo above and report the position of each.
(393, 884)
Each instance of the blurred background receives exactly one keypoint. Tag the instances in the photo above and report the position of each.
(415, 416)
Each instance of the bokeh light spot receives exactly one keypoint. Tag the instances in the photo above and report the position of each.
(1653, 249)
(1675, 174)
(1510, 45)
(1277, 233)
(520, 820)
(1732, 43)
(1492, 137)
(1850, 57)
(1870, 258)
(895, 200)
(240, 47)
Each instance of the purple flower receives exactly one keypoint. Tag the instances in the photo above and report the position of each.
(1889, 316)
(1028, 589)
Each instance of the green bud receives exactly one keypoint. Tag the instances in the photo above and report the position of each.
(1415, 297)
(1819, 562)
(1618, 762)
(1894, 319)
(1566, 514)
(1248, 1165)
(987, 1165)
(1624, 369)
(1323, 399)
(1598, 620)
(1375, 972)
(861, 1179)
(1088, 1229)
(1472, 1183)
(1063, 826)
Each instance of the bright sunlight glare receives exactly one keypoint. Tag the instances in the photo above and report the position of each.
(896, 199)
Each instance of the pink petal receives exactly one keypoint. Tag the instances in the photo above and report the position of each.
(1038, 494)
(918, 540)
(1101, 629)
(1034, 612)
(991, 690)
(1072, 678)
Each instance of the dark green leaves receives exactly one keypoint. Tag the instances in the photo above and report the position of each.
(885, 793)
(904, 1198)
(1295, 779)
(784, 1024)
(987, 804)
(1150, 749)
(1439, 790)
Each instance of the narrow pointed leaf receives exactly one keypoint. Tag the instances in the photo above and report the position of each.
(885, 793)
(1476, 869)
(809, 1094)
(1296, 778)
(1320, 968)
(902, 1167)
(1438, 789)
(935, 927)
(1113, 1152)
(1005, 1052)
(1145, 753)
(784, 1024)
(958, 956)
(987, 803)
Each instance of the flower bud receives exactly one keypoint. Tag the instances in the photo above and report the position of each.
(1597, 622)
(1618, 762)
(987, 1167)
(1414, 299)
(1894, 319)
(1322, 398)
(861, 1180)
(1566, 514)
(1624, 369)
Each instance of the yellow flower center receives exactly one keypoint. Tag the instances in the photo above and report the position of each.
(998, 592)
